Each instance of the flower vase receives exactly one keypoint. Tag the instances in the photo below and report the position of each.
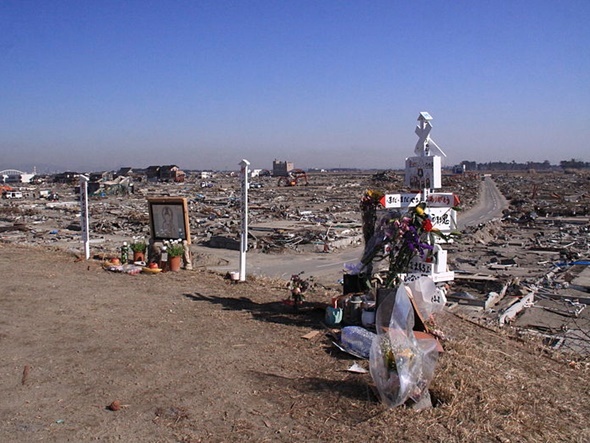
(174, 263)
(138, 256)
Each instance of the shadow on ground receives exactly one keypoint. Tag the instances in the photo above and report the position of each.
(309, 315)
(353, 387)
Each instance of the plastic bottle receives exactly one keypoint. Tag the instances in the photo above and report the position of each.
(164, 259)
(355, 306)
(357, 340)
(124, 253)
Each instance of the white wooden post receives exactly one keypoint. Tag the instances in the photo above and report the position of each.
(84, 215)
(244, 235)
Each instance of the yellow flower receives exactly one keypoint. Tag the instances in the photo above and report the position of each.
(374, 195)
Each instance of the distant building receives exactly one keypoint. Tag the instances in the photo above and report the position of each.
(152, 173)
(469, 165)
(171, 173)
(66, 177)
(164, 173)
(124, 172)
(15, 176)
(281, 169)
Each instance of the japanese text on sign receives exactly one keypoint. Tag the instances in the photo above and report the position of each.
(440, 200)
(401, 200)
(443, 219)
(419, 266)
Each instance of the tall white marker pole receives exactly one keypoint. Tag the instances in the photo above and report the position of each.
(84, 215)
(244, 236)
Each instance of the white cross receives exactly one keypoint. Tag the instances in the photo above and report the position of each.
(423, 129)
(423, 132)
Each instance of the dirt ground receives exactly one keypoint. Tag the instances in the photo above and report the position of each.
(192, 357)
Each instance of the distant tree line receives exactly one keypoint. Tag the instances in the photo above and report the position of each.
(514, 166)
(574, 164)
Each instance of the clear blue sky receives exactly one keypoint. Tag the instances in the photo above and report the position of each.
(91, 85)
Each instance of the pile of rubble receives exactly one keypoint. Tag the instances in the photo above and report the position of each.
(529, 271)
(552, 194)
(315, 218)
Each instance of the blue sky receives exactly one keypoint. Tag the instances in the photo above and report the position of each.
(91, 85)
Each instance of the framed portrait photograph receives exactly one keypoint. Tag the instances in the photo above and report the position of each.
(169, 218)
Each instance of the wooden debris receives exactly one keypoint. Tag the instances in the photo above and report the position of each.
(26, 371)
(310, 335)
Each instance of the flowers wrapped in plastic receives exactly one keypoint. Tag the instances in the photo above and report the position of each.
(401, 366)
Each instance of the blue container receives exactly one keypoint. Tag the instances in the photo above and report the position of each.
(333, 316)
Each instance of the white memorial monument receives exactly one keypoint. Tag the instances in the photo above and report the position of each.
(423, 171)
(423, 174)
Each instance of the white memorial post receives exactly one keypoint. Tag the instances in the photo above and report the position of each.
(84, 215)
(423, 172)
(244, 235)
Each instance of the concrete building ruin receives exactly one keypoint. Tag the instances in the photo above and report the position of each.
(281, 169)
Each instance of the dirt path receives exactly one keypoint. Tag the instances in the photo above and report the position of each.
(193, 358)
(326, 268)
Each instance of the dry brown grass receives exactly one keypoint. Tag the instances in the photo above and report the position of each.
(488, 386)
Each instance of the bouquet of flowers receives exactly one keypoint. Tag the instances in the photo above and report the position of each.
(298, 286)
(399, 238)
(370, 201)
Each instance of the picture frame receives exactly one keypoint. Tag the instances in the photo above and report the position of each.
(169, 218)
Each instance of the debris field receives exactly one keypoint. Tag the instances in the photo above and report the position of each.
(527, 270)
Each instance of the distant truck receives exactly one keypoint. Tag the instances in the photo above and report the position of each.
(12, 194)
